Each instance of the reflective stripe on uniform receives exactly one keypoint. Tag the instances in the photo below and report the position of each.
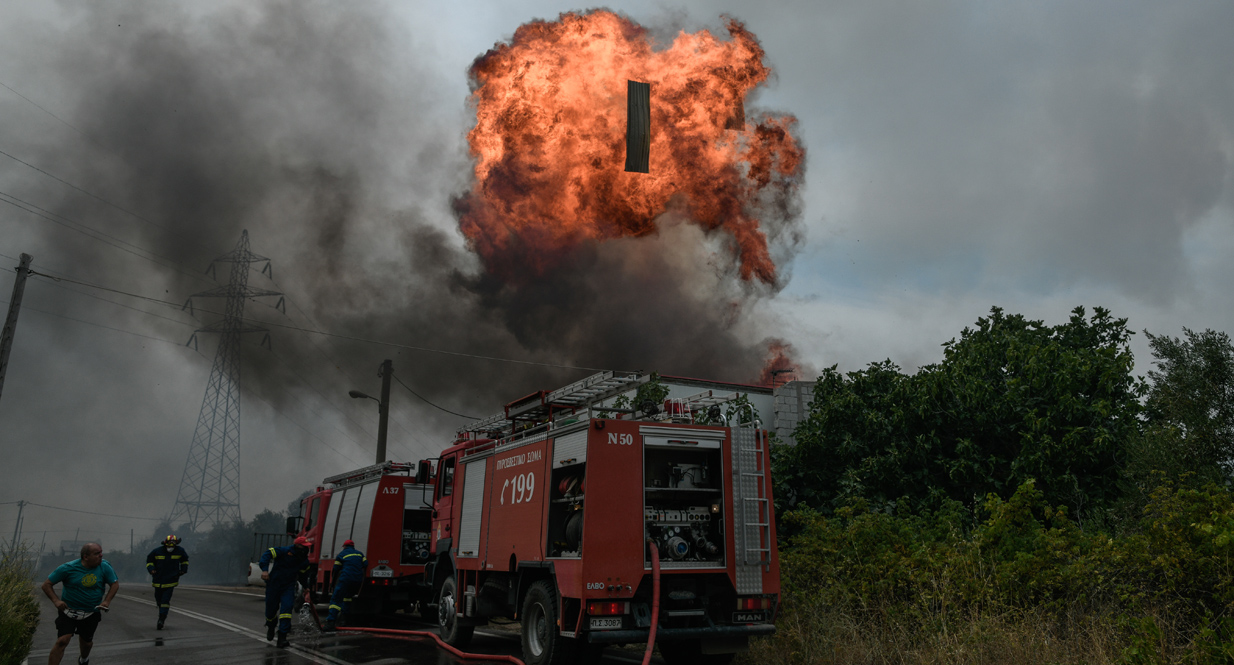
(335, 607)
(284, 616)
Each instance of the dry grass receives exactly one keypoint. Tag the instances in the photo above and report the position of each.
(821, 635)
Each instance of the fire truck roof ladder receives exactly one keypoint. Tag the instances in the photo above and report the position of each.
(685, 407)
(577, 395)
(367, 473)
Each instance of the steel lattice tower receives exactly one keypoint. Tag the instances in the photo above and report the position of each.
(210, 488)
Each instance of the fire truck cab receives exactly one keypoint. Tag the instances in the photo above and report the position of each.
(563, 510)
(386, 509)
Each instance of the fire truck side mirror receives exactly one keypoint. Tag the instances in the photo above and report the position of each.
(293, 525)
(423, 471)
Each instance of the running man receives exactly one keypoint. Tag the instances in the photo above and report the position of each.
(166, 564)
(81, 599)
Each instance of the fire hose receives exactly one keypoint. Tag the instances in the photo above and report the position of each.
(419, 634)
(412, 635)
(655, 599)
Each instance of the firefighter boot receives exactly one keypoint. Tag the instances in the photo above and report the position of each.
(269, 631)
(283, 643)
(329, 627)
(160, 623)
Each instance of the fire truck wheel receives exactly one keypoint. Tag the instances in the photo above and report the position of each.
(447, 620)
(690, 652)
(542, 644)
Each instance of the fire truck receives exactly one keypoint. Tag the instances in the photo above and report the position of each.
(567, 510)
(387, 510)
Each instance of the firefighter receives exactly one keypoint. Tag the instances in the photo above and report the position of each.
(348, 575)
(166, 564)
(281, 568)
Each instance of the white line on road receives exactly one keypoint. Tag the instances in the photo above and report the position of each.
(319, 658)
(235, 593)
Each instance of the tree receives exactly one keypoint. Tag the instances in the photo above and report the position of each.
(1012, 400)
(1189, 412)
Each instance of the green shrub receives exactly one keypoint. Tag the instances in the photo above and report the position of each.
(1012, 580)
(19, 611)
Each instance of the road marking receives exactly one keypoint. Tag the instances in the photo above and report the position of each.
(236, 593)
(319, 658)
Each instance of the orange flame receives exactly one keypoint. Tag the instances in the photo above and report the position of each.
(779, 368)
(549, 142)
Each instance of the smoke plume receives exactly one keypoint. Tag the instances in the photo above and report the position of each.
(310, 125)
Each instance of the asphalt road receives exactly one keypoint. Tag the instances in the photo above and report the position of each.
(225, 626)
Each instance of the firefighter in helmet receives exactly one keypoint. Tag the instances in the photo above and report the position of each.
(166, 563)
(349, 567)
(282, 568)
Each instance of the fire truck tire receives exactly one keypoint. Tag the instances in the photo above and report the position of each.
(542, 643)
(690, 652)
(447, 620)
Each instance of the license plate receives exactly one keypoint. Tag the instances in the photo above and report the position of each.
(750, 617)
(605, 623)
(383, 573)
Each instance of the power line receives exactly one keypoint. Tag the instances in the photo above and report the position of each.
(87, 512)
(302, 428)
(324, 398)
(96, 325)
(36, 104)
(72, 225)
(337, 335)
(2, 302)
(400, 382)
(87, 193)
(101, 299)
(410, 431)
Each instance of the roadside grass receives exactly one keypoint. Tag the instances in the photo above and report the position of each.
(825, 635)
(1015, 581)
(19, 610)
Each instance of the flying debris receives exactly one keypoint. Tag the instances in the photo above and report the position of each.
(638, 126)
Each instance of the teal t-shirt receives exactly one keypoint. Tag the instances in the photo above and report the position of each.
(83, 587)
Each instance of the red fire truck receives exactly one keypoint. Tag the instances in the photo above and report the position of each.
(547, 513)
(387, 511)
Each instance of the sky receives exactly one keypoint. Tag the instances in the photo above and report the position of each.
(959, 156)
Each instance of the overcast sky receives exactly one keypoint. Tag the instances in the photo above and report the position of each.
(960, 155)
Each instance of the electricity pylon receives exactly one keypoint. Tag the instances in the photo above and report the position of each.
(210, 488)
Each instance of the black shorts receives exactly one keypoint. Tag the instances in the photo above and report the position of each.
(84, 628)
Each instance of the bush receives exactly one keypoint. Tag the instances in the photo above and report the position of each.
(19, 610)
(1012, 399)
(1012, 580)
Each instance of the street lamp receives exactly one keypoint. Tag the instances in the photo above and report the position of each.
(383, 406)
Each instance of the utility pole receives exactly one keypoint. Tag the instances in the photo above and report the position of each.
(383, 409)
(21, 505)
(10, 323)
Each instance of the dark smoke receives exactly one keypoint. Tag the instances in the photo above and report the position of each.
(310, 125)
